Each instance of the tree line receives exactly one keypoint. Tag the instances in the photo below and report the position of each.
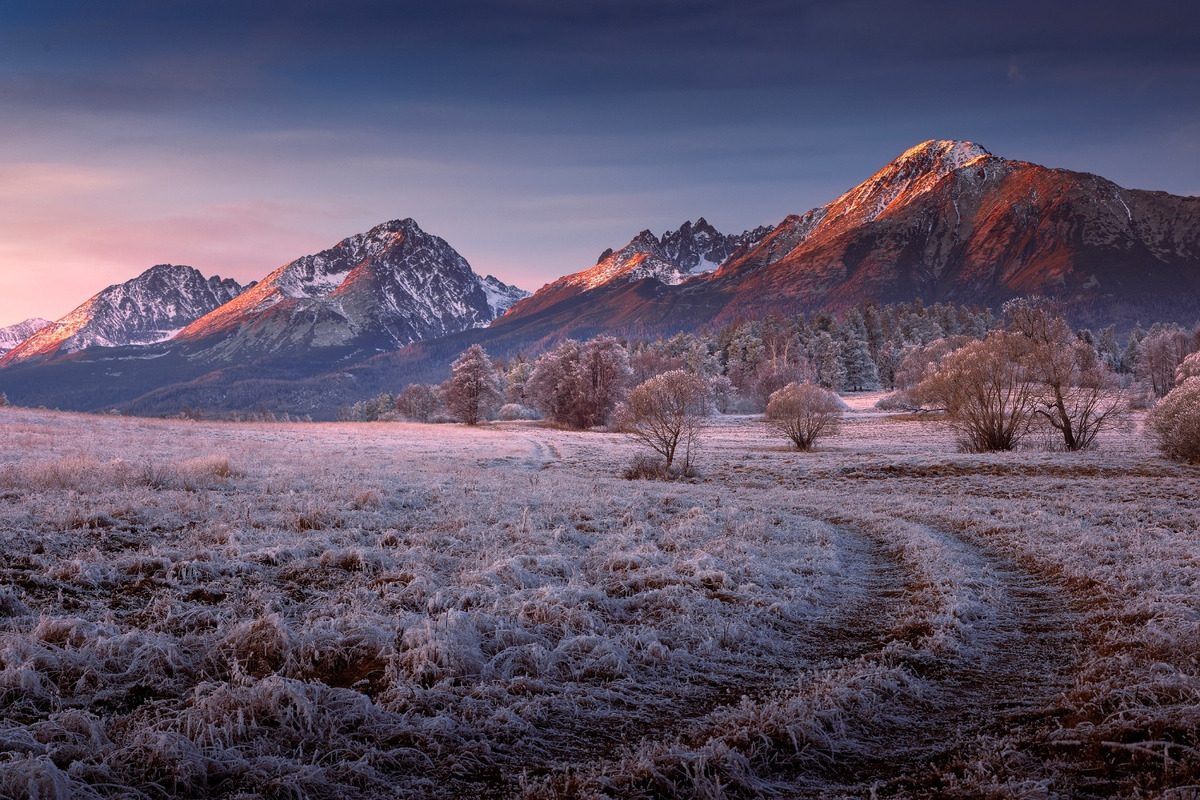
(995, 379)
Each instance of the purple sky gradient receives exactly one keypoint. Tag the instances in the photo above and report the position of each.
(531, 135)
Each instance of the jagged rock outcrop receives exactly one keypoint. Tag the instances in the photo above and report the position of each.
(692, 250)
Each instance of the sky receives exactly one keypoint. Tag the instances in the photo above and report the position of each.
(533, 134)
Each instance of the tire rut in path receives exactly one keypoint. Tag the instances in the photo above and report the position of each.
(1010, 656)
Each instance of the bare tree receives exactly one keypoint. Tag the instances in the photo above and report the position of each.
(473, 390)
(803, 412)
(1077, 394)
(985, 390)
(667, 412)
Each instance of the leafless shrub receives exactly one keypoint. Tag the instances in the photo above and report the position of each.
(896, 401)
(1175, 422)
(645, 467)
(803, 412)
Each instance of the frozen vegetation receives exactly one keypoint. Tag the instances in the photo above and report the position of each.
(380, 610)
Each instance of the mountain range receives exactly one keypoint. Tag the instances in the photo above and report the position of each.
(945, 221)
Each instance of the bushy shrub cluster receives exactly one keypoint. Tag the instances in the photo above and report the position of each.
(1175, 422)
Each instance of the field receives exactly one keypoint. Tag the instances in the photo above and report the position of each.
(393, 610)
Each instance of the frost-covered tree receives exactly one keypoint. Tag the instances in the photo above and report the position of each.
(1076, 394)
(887, 361)
(473, 391)
(667, 413)
(3, 399)
(721, 392)
(417, 403)
(985, 390)
(770, 378)
(1175, 422)
(826, 361)
(1129, 356)
(857, 366)
(1106, 347)
(803, 412)
(604, 380)
(920, 360)
(579, 385)
(552, 387)
(1159, 354)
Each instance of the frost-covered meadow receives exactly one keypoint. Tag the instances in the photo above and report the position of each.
(401, 610)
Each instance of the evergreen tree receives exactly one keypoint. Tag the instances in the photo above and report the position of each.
(826, 361)
(1129, 357)
(857, 367)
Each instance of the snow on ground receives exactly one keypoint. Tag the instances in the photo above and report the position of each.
(357, 610)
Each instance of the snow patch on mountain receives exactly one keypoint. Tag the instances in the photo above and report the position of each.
(394, 284)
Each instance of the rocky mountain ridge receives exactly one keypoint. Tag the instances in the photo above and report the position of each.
(944, 221)
(670, 259)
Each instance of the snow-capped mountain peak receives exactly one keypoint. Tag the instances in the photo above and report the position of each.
(393, 285)
(693, 249)
(13, 335)
(916, 171)
(144, 310)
